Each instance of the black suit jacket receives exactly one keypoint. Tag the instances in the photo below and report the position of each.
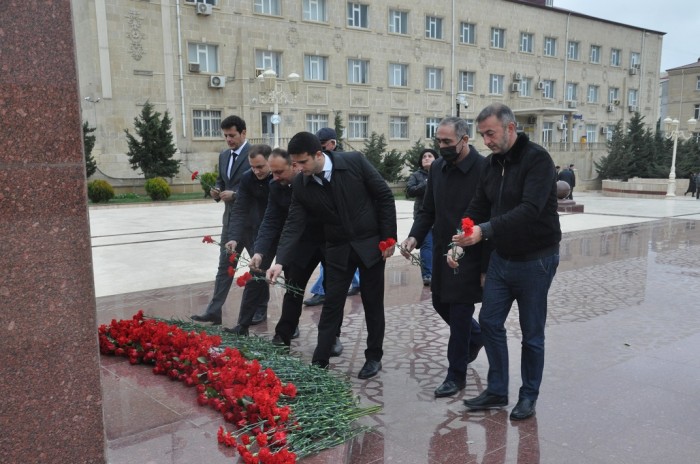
(278, 203)
(248, 210)
(360, 214)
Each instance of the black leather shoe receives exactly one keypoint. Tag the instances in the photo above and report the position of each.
(354, 291)
(215, 320)
(337, 348)
(449, 388)
(320, 364)
(370, 369)
(524, 409)
(238, 330)
(473, 352)
(315, 300)
(427, 281)
(259, 317)
(296, 333)
(277, 341)
(486, 401)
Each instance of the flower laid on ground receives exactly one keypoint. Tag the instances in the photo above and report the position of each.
(386, 244)
(249, 382)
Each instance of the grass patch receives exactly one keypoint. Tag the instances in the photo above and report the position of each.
(126, 198)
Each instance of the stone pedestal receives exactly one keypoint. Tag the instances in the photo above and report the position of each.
(50, 383)
(568, 206)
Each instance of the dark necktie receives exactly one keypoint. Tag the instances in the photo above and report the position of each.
(231, 160)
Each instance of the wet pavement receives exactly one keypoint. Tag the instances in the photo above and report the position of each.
(621, 381)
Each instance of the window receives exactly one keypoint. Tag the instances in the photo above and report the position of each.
(550, 46)
(697, 85)
(398, 75)
(614, 96)
(398, 127)
(571, 91)
(635, 60)
(595, 54)
(466, 81)
(549, 89)
(398, 22)
(433, 78)
(315, 68)
(526, 42)
(206, 55)
(696, 114)
(433, 27)
(547, 131)
(265, 59)
(470, 128)
(498, 37)
(592, 94)
(572, 52)
(358, 71)
(633, 97)
(268, 7)
(314, 122)
(431, 125)
(591, 133)
(609, 132)
(615, 56)
(206, 123)
(315, 10)
(357, 126)
(496, 84)
(467, 33)
(526, 87)
(358, 15)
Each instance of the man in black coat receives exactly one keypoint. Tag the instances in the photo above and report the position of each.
(357, 210)
(452, 181)
(232, 163)
(568, 176)
(245, 219)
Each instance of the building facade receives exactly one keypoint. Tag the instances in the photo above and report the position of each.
(394, 68)
(683, 95)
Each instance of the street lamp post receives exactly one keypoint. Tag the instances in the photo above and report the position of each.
(672, 132)
(461, 100)
(271, 92)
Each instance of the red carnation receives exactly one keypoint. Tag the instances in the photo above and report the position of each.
(467, 226)
(242, 280)
(207, 239)
(231, 272)
(195, 174)
(386, 244)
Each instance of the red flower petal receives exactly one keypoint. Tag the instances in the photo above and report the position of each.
(195, 174)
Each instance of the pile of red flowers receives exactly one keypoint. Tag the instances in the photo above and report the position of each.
(242, 391)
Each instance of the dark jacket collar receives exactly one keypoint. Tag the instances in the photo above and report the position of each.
(465, 164)
(516, 151)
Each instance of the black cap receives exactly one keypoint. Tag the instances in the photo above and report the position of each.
(325, 134)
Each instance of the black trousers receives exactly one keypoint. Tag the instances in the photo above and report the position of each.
(297, 276)
(256, 295)
(337, 281)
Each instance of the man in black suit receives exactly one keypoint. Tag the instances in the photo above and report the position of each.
(245, 219)
(232, 163)
(356, 207)
(568, 176)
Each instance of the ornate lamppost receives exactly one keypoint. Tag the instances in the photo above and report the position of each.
(672, 132)
(271, 92)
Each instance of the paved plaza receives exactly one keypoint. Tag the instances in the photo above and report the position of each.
(622, 375)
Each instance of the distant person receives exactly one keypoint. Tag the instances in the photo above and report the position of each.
(568, 176)
(692, 186)
(415, 188)
(329, 142)
(697, 186)
(233, 162)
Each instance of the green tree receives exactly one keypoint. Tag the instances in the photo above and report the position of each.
(412, 156)
(389, 164)
(339, 130)
(153, 154)
(88, 145)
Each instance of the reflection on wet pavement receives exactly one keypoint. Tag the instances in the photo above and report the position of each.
(621, 383)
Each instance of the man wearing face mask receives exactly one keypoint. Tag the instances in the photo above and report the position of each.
(452, 181)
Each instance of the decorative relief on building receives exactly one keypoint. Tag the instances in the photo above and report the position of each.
(316, 95)
(338, 42)
(483, 60)
(359, 98)
(293, 36)
(434, 101)
(417, 51)
(399, 100)
(135, 34)
(605, 76)
(584, 74)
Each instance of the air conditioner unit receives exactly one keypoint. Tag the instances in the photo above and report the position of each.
(637, 65)
(561, 125)
(603, 130)
(203, 9)
(532, 119)
(572, 104)
(194, 67)
(616, 102)
(611, 108)
(540, 86)
(259, 71)
(217, 82)
(515, 87)
(633, 71)
(517, 76)
(633, 108)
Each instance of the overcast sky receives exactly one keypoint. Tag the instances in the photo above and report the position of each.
(679, 19)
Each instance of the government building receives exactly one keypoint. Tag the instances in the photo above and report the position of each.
(394, 68)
